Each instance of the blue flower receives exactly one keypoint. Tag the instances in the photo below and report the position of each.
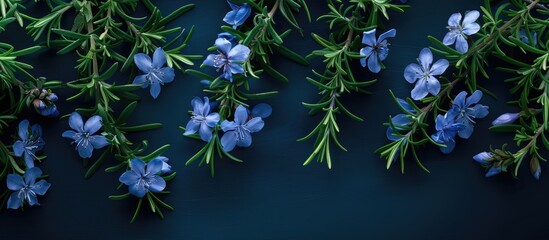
(506, 118)
(142, 177)
(465, 110)
(166, 168)
(27, 189)
(239, 132)
(238, 15)
(524, 37)
(447, 130)
(483, 158)
(400, 121)
(261, 110)
(30, 143)
(44, 102)
(202, 121)
(229, 37)
(155, 74)
(376, 50)
(425, 74)
(83, 134)
(458, 32)
(493, 171)
(229, 59)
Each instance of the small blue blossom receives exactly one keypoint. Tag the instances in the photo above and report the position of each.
(447, 130)
(483, 158)
(425, 74)
(376, 50)
(143, 177)
(239, 132)
(229, 59)
(493, 171)
(535, 168)
(26, 189)
(229, 37)
(155, 73)
(238, 15)
(261, 110)
(465, 110)
(30, 143)
(44, 102)
(506, 118)
(166, 168)
(524, 37)
(83, 134)
(202, 121)
(457, 33)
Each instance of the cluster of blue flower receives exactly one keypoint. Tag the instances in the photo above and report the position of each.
(25, 190)
(229, 60)
(459, 120)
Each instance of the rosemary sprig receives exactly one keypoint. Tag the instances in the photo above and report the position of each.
(347, 21)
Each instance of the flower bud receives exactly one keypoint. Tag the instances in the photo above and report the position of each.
(483, 158)
(506, 118)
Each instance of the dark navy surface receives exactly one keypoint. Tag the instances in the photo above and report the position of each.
(270, 195)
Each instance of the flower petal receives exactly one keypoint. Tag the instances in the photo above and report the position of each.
(93, 124)
(460, 102)
(138, 190)
(41, 187)
(141, 79)
(373, 63)
(467, 131)
(478, 111)
(205, 132)
(471, 29)
(400, 120)
(223, 45)
(245, 140)
(262, 110)
(449, 38)
(23, 130)
(68, 134)
(154, 166)
(433, 86)
(461, 44)
(212, 119)
(474, 98)
(238, 54)
(454, 20)
(228, 126)
(31, 174)
(240, 115)
(159, 58)
(155, 89)
(412, 72)
(388, 34)
(167, 74)
(14, 202)
(470, 17)
(439, 67)
(143, 62)
(369, 37)
(420, 90)
(493, 171)
(192, 127)
(18, 148)
(425, 58)
(29, 159)
(228, 141)
(138, 166)
(157, 184)
(75, 122)
(98, 141)
(209, 61)
(85, 149)
(450, 145)
(482, 157)
(236, 68)
(129, 178)
(255, 124)
(390, 133)
(15, 182)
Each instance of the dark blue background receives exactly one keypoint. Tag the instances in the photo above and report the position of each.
(270, 195)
